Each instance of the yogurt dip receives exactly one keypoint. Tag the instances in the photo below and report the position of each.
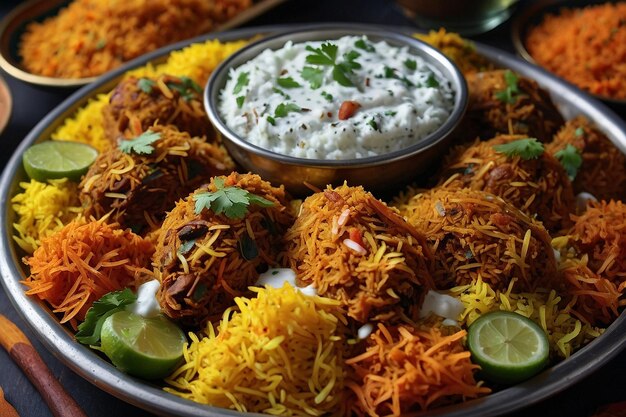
(341, 99)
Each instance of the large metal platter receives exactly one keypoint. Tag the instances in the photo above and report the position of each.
(88, 364)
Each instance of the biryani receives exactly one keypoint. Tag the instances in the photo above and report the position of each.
(353, 248)
(586, 46)
(503, 102)
(475, 234)
(339, 304)
(91, 37)
(534, 182)
(206, 257)
(138, 181)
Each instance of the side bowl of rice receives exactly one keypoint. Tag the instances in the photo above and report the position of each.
(375, 172)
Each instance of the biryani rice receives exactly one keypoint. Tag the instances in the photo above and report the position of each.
(278, 353)
(90, 37)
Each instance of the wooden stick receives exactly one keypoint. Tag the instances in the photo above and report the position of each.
(6, 409)
(24, 354)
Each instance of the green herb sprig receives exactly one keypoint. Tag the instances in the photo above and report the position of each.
(511, 93)
(529, 148)
(141, 145)
(89, 330)
(326, 55)
(233, 202)
(571, 159)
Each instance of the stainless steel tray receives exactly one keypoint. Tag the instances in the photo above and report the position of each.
(88, 364)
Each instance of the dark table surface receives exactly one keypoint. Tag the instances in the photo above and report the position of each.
(31, 104)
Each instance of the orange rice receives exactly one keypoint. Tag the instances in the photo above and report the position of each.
(585, 46)
(90, 37)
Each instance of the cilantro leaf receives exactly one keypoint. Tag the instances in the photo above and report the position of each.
(145, 85)
(432, 82)
(325, 55)
(242, 81)
(232, 201)
(510, 94)
(89, 330)
(282, 110)
(361, 44)
(579, 131)
(327, 96)
(240, 101)
(410, 64)
(271, 120)
(373, 124)
(340, 76)
(571, 160)
(288, 82)
(391, 73)
(314, 76)
(141, 145)
(528, 148)
(186, 87)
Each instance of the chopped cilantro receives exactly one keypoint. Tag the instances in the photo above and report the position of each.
(240, 101)
(281, 92)
(101, 44)
(390, 113)
(89, 330)
(288, 82)
(410, 64)
(510, 94)
(528, 148)
(324, 55)
(373, 124)
(361, 44)
(282, 110)
(145, 85)
(271, 120)
(579, 131)
(186, 87)
(141, 145)
(391, 73)
(571, 160)
(327, 96)
(314, 76)
(232, 201)
(432, 82)
(242, 81)
(327, 55)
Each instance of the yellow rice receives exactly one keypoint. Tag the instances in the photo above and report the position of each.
(196, 61)
(42, 209)
(565, 333)
(278, 353)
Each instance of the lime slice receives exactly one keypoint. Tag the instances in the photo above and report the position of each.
(508, 346)
(58, 159)
(148, 348)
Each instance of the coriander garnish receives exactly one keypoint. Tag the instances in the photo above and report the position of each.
(240, 101)
(145, 85)
(288, 82)
(361, 44)
(410, 64)
(142, 144)
(242, 81)
(326, 55)
(510, 94)
(528, 148)
(327, 96)
(283, 109)
(571, 160)
(314, 76)
(232, 201)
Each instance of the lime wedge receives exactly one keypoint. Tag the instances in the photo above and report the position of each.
(148, 348)
(508, 346)
(58, 159)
